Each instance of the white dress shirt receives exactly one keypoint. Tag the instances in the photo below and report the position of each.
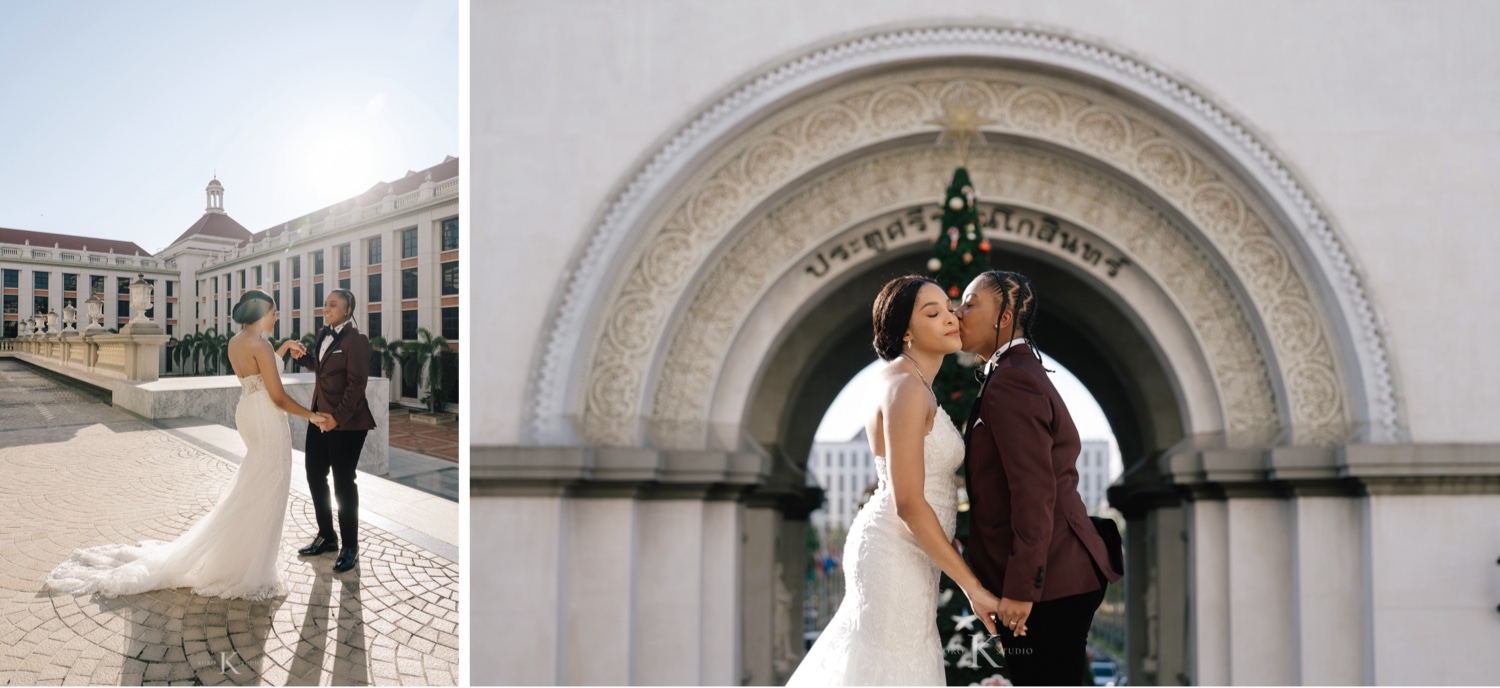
(323, 351)
(995, 357)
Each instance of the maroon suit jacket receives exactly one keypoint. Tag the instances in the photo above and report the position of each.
(341, 378)
(1030, 537)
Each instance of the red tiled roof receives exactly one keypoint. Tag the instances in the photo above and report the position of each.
(70, 242)
(215, 225)
(442, 171)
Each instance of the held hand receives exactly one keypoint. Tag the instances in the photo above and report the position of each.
(328, 423)
(984, 603)
(1013, 615)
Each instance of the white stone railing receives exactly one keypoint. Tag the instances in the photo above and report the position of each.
(102, 258)
(132, 355)
(427, 192)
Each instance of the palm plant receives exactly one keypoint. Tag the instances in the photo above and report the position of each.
(386, 354)
(425, 355)
(183, 353)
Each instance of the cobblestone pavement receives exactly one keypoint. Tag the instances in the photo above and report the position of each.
(79, 473)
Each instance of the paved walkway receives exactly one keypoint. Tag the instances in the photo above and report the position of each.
(79, 473)
(440, 441)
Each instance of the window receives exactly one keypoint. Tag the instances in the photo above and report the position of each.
(276, 296)
(408, 325)
(317, 263)
(257, 275)
(12, 329)
(276, 271)
(277, 332)
(450, 278)
(409, 243)
(344, 257)
(12, 303)
(122, 285)
(296, 298)
(409, 283)
(216, 309)
(39, 280)
(169, 310)
(296, 328)
(123, 309)
(344, 283)
(450, 234)
(96, 285)
(374, 323)
(216, 286)
(450, 323)
(375, 251)
(317, 295)
(373, 296)
(317, 323)
(296, 267)
(70, 282)
(169, 287)
(242, 280)
(12, 279)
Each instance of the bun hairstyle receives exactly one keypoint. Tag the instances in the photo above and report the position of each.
(892, 313)
(254, 305)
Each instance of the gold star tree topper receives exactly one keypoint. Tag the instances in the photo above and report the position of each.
(961, 122)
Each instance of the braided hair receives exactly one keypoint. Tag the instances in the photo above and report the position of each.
(1015, 292)
(348, 297)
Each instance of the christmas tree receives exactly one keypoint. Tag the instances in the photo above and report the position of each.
(959, 254)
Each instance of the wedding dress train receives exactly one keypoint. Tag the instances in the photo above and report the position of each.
(234, 551)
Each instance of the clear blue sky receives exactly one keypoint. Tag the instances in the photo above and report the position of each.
(117, 114)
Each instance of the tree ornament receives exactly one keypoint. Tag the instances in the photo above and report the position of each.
(971, 233)
(968, 258)
(952, 238)
(933, 265)
(953, 292)
(956, 203)
(985, 245)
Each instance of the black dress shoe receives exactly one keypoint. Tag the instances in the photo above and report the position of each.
(346, 561)
(319, 545)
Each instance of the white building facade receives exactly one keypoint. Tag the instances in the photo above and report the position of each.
(1262, 236)
(1093, 474)
(395, 247)
(845, 470)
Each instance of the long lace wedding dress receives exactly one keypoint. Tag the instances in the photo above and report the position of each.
(234, 551)
(885, 630)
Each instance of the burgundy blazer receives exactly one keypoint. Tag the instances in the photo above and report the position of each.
(1030, 537)
(341, 378)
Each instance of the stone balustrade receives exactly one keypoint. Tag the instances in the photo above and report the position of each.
(132, 355)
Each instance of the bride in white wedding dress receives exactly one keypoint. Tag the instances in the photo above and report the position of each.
(885, 630)
(234, 550)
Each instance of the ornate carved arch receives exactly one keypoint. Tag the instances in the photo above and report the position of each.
(751, 198)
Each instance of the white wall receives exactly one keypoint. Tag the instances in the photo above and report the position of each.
(1387, 110)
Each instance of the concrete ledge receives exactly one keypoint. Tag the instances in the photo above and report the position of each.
(215, 397)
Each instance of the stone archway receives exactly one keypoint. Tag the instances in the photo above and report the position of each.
(662, 393)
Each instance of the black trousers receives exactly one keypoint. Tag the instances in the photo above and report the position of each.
(1053, 651)
(337, 450)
